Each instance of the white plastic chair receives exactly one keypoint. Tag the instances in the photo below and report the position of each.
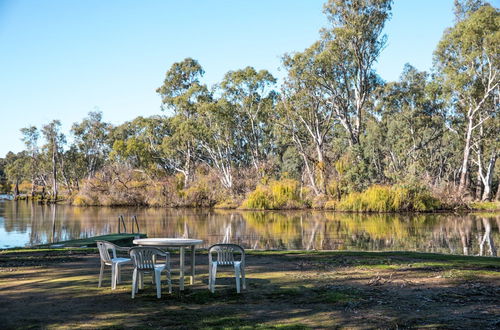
(226, 257)
(111, 260)
(144, 260)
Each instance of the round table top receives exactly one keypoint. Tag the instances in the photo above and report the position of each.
(167, 241)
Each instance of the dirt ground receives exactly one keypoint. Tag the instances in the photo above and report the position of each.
(291, 290)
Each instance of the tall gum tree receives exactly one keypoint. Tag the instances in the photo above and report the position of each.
(30, 139)
(347, 51)
(251, 94)
(54, 141)
(90, 138)
(468, 60)
(220, 139)
(181, 92)
(413, 117)
(332, 81)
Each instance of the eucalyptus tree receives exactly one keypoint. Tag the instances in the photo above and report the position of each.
(467, 57)
(140, 144)
(181, 92)
(4, 187)
(308, 124)
(413, 117)
(344, 58)
(220, 138)
(333, 80)
(30, 139)
(54, 142)
(486, 146)
(90, 139)
(16, 169)
(252, 97)
(463, 8)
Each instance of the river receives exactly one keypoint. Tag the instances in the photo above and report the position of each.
(24, 224)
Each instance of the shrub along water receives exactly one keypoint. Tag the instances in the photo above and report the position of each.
(273, 195)
(283, 194)
(379, 198)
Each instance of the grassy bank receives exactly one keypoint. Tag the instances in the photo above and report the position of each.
(269, 195)
(286, 290)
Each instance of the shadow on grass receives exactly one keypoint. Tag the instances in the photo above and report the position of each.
(66, 295)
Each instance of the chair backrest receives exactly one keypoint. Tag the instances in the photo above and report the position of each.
(226, 253)
(104, 248)
(144, 257)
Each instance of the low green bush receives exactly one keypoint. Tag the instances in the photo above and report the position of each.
(379, 198)
(277, 194)
(492, 206)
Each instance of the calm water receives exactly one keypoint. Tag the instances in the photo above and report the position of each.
(25, 224)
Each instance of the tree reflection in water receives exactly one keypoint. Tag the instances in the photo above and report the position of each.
(475, 234)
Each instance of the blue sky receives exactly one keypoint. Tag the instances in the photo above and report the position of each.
(60, 59)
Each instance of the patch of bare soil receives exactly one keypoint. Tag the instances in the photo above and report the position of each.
(58, 289)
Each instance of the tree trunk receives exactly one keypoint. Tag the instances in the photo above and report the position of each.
(497, 198)
(479, 180)
(321, 168)
(479, 186)
(16, 189)
(187, 166)
(488, 178)
(465, 163)
(33, 180)
(54, 173)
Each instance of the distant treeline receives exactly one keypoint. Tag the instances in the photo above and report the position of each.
(332, 135)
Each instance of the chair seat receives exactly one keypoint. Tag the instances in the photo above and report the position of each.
(121, 260)
(158, 267)
(227, 263)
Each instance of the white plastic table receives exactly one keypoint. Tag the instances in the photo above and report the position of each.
(181, 243)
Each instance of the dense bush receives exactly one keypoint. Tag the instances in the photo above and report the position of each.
(379, 198)
(114, 186)
(282, 194)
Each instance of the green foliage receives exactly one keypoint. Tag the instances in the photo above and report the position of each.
(487, 206)
(282, 194)
(387, 199)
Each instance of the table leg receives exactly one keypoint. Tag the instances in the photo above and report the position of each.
(193, 259)
(181, 280)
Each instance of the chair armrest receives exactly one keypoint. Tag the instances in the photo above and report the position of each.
(163, 253)
(124, 249)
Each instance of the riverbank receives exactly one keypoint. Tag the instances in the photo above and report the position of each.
(290, 290)
(375, 200)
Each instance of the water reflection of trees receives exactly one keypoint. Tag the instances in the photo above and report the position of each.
(466, 234)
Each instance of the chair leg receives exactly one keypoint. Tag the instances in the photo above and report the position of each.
(141, 280)
(100, 274)
(157, 277)
(134, 282)
(214, 275)
(237, 277)
(243, 280)
(113, 276)
(118, 273)
(210, 277)
(169, 281)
